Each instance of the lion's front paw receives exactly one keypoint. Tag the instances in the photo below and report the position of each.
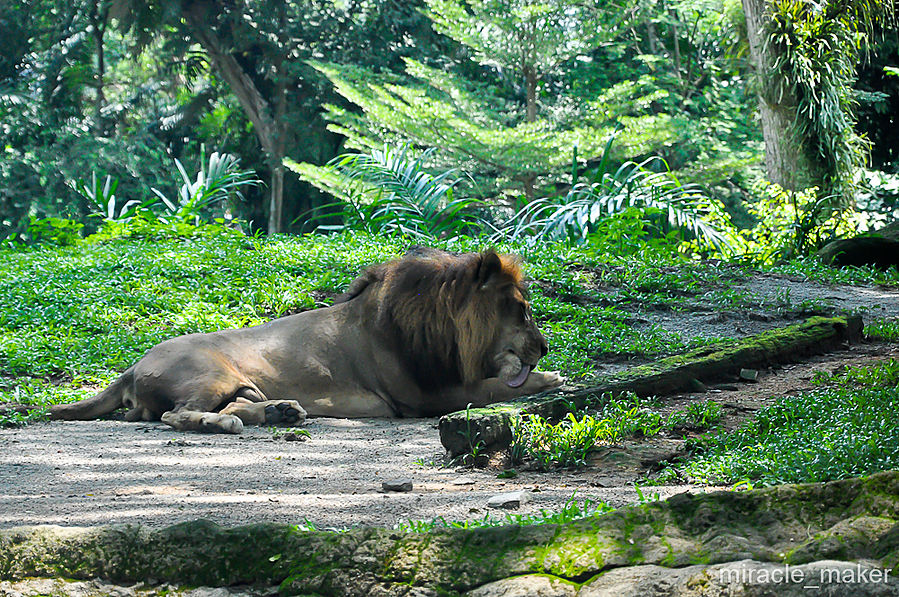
(545, 380)
(284, 412)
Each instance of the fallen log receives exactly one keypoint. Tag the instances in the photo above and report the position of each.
(490, 427)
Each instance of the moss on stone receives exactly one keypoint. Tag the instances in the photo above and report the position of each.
(855, 518)
(490, 426)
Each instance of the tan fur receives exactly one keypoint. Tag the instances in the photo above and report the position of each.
(420, 336)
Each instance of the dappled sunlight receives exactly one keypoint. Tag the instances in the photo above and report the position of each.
(82, 473)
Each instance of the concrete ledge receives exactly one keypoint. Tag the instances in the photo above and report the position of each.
(852, 520)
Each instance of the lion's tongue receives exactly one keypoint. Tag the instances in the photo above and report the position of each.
(519, 379)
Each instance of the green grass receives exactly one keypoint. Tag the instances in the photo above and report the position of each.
(882, 329)
(698, 416)
(571, 511)
(846, 428)
(810, 268)
(569, 442)
(72, 318)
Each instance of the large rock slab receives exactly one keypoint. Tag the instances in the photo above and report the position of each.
(848, 522)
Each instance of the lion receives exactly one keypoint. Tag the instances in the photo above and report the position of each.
(420, 336)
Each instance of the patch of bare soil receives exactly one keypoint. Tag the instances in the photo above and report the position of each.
(99, 472)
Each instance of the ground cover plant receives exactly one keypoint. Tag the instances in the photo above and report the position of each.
(73, 317)
(568, 443)
(846, 428)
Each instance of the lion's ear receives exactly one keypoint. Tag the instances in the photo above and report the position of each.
(368, 277)
(490, 267)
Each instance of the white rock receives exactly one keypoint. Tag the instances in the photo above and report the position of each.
(509, 501)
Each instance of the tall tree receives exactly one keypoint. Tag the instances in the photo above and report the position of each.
(530, 37)
(805, 56)
(259, 47)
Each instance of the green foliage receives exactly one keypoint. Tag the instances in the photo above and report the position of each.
(102, 198)
(698, 416)
(389, 191)
(792, 224)
(478, 131)
(811, 268)
(15, 419)
(846, 429)
(817, 48)
(564, 444)
(882, 329)
(632, 231)
(648, 185)
(528, 36)
(571, 511)
(278, 432)
(568, 442)
(219, 181)
(472, 438)
(55, 231)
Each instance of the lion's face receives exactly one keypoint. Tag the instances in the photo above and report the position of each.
(518, 344)
(458, 319)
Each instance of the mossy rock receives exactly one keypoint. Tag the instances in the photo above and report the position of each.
(489, 427)
(878, 251)
(769, 525)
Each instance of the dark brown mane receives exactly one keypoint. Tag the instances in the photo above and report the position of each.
(440, 309)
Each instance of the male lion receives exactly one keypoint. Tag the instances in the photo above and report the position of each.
(419, 336)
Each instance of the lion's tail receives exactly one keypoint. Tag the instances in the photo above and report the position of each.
(90, 408)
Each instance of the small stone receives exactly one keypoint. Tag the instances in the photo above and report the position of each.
(397, 485)
(508, 501)
(749, 374)
(290, 436)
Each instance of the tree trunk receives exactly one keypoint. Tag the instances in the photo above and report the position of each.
(530, 83)
(98, 18)
(269, 130)
(789, 161)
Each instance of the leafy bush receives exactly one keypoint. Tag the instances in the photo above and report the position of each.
(565, 444)
(568, 442)
(792, 224)
(55, 231)
(647, 185)
(218, 181)
(389, 191)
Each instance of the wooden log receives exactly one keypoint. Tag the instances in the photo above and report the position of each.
(489, 428)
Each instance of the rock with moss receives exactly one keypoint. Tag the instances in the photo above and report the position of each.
(849, 521)
(490, 427)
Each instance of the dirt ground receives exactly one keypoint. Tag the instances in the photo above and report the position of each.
(91, 473)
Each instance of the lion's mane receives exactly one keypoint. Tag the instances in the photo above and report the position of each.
(439, 309)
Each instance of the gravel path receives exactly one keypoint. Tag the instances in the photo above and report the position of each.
(97, 472)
